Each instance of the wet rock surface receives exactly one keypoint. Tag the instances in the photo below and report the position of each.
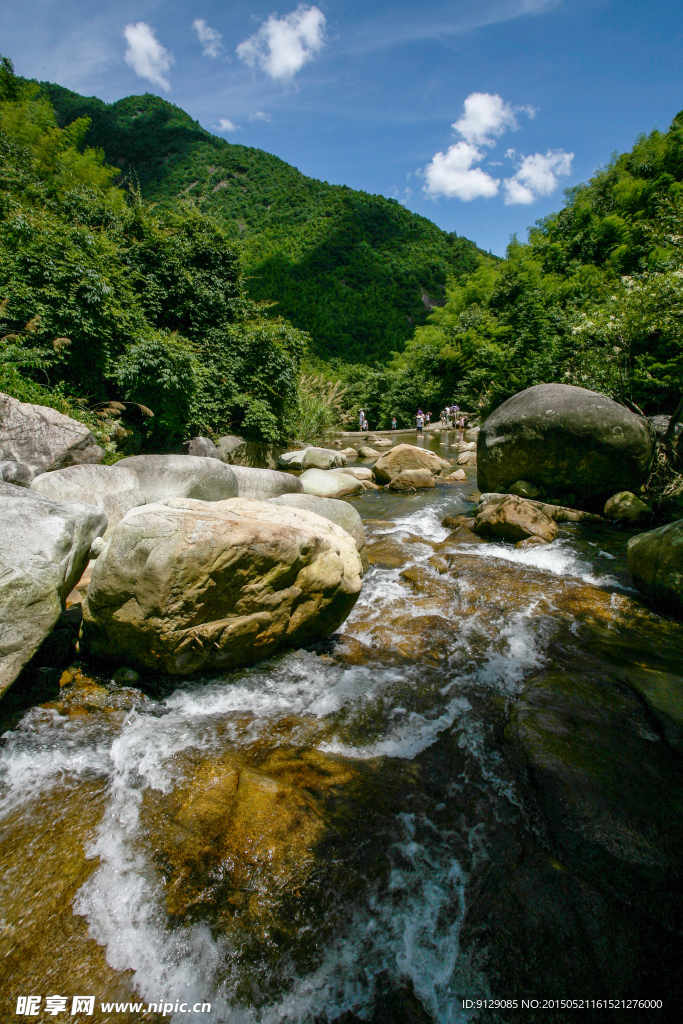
(655, 561)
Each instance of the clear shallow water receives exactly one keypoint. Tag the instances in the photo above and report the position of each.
(440, 652)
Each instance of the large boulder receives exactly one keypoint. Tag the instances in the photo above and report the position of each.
(567, 441)
(43, 438)
(44, 548)
(329, 483)
(262, 484)
(660, 425)
(339, 512)
(201, 446)
(232, 449)
(655, 561)
(407, 456)
(627, 508)
(187, 585)
(114, 489)
(182, 476)
(412, 478)
(292, 460)
(513, 519)
(322, 458)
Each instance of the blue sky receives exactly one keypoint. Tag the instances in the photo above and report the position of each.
(474, 113)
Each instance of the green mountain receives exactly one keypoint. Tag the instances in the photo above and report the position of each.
(357, 271)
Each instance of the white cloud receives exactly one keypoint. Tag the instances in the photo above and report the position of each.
(146, 56)
(454, 175)
(537, 176)
(282, 46)
(209, 37)
(485, 117)
(226, 125)
(259, 115)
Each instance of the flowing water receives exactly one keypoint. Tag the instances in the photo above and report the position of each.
(370, 784)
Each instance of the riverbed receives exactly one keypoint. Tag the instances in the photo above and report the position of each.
(471, 792)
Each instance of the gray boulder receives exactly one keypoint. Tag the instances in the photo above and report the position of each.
(660, 425)
(339, 512)
(655, 561)
(232, 449)
(16, 473)
(44, 548)
(198, 446)
(322, 458)
(182, 476)
(114, 489)
(43, 438)
(567, 441)
(292, 460)
(261, 484)
(627, 508)
(329, 483)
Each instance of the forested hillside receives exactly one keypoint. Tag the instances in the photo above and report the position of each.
(123, 306)
(356, 271)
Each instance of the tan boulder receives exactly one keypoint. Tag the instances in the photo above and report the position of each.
(358, 472)
(366, 452)
(407, 456)
(626, 507)
(186, 585)
(329, 483)
(412, 478)
(513, 519)
(454, 478)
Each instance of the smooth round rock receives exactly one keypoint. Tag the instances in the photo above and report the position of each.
(182, 476)
(655, 561)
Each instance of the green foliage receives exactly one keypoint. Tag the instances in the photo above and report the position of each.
(356, 271)
(319, 410)
(112, 299)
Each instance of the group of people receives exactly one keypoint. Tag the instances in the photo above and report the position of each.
(449, 417)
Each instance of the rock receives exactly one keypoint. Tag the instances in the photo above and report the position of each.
(350, 452)
(660, 425)
(467, 459)
(382, 442)
(369, 485)
(453, 478)
(370, 438)
(329, 483)
(365, 452)
(655, 561)
(114, 489)
(262, 484)
(416, 478)
(322, 458)
(359, 472)
(16, 473)
(468, 446)
(187, 585)
(198, 446)
(567, 441)
(558, 513)
(44, 548)
(407, 456)
(231, 449)
(182, 476)
(339, 512)
(43, 438)
(97, 547)
(292, 460)
(604, 787)
(472, 434)
(523, 489)
(531, 542)
(513, 519)
(625, 507)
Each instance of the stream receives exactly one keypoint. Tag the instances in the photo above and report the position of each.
(471, 792)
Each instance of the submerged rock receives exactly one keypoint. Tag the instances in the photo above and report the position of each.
(44, 548)
(261, 484)
(43, 438)
(513, 519)
(655, 561)
(187, 585)
(407, 456)
(567, 441)
(182, 476)
(114, 489)
(329, 483)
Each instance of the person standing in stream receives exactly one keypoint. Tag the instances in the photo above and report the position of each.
(420, 422)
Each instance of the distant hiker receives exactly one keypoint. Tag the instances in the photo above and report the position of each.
(393, 423)
(361, 419)
(365, 426)
(420, 421)
(428, 418)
